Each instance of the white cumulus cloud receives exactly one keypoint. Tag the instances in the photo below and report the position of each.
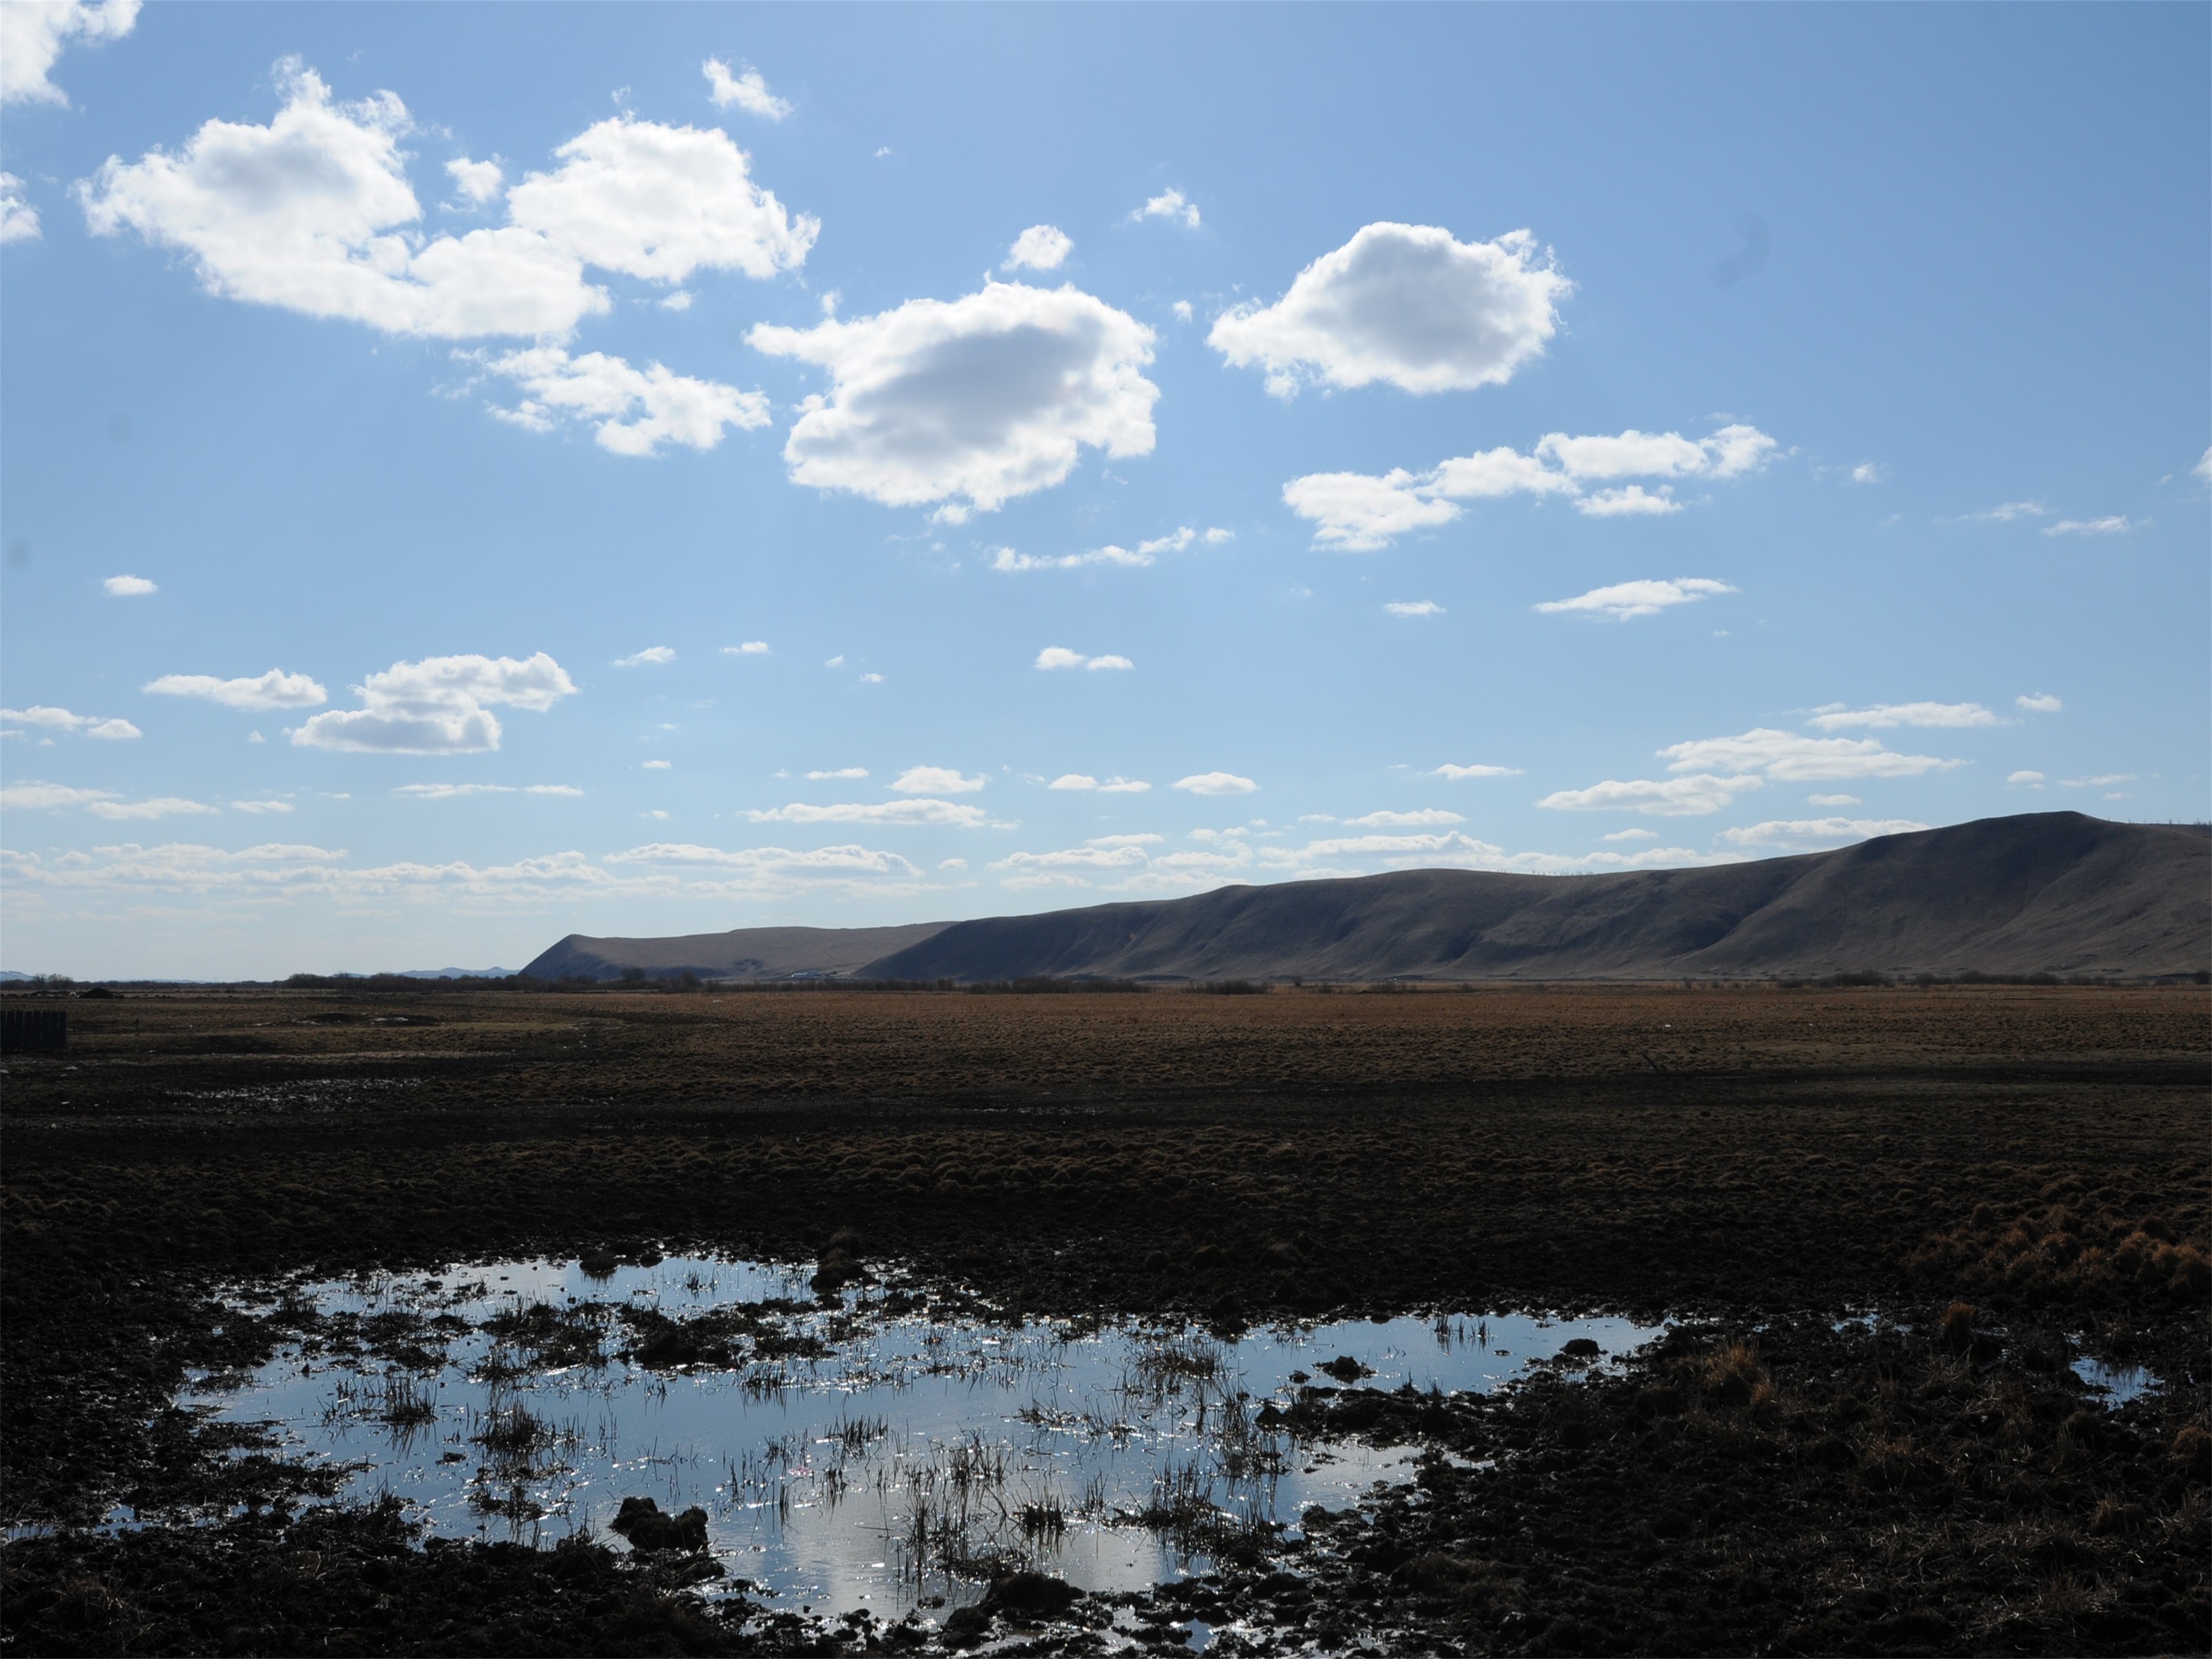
(922, 810)
(451, 791)
(750, 648)
(314, 213)
(936, 780)
(987, 398)
(274, 689)
(1405, 303)
(1169, 204)
(1632, 502)
(1789, 757)
(19, 220)
(128, 587)
(1623, 600)
(440, 706)
(32, 33)
(1113, 786)
(477, 181)
(1216, 783)
(748, 90)
(1729, 453)
(1362, 511)
(31, 796)
(1690, 797)
(659, 203)
(38, 715)
(1886, 716)
(1359, 512)
(1449, 770)
(1807, 834)
(1040, 247)
(1414, 608)
(651, 654)
(823, 862)
(1075, 858)
(636, 410)
(2034, 779)
(2041, 703)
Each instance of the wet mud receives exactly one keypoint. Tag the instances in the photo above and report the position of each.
(2007, 1179)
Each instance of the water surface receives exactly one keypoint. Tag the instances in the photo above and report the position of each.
(850, 1451)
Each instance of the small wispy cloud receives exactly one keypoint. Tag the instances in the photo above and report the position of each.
(747, 89)
(1143, 554)
(2118, 525)
(2006, 512)
(1427, 815)
(1623, 600)
(750, 648)
(2042, 703)
(1056, 656)
(1807, 834)
(1448, 770)
(838, 772)
(1414, 608)
(1835, 717)
(128, 587)
(651, 654)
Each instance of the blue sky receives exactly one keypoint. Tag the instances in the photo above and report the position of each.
(655, 469)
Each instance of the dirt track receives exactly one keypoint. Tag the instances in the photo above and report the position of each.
(1741, 1156)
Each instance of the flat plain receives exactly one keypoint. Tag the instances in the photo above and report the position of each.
(2006, 1177)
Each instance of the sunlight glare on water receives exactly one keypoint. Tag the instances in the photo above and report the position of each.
(849, 1452)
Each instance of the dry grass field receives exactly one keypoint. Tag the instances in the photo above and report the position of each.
(1756, 1162)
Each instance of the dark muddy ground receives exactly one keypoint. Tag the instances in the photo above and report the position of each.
(1757, 1163)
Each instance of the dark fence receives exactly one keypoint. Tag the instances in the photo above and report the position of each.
(33, 1028)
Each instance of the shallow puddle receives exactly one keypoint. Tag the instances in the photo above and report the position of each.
(849, 1452)
(2117, 1383)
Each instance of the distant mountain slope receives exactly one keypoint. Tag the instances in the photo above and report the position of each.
(745, 953)
(2046, 892)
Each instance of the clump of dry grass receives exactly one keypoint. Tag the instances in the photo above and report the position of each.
(1733, 1376)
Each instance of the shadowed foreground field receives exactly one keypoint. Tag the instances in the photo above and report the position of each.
(1756, 1162)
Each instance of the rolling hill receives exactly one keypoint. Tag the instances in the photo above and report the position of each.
(746, 953)
(2041, 892)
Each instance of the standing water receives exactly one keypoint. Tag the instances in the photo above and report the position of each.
(848, 1451)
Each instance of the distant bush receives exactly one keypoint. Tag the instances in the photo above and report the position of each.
(1232, 987)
